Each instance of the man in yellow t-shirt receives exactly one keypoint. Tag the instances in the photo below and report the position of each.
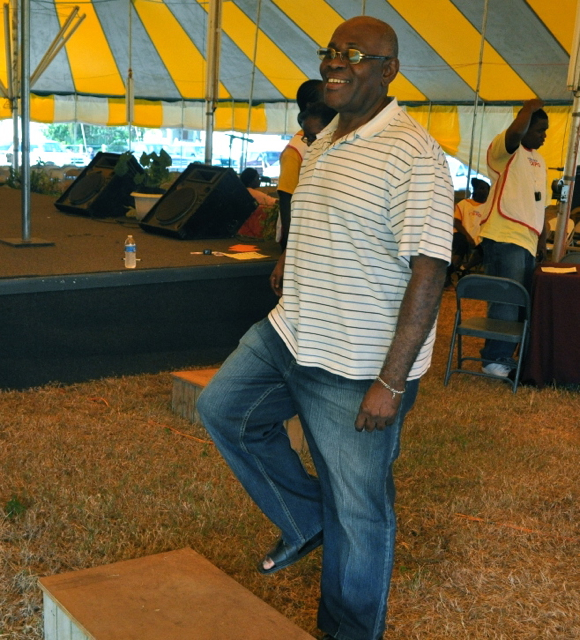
(309, 96)
(512, 228)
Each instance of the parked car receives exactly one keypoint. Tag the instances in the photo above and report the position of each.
(48, 152)
(5, 149)
(261, 160)
(79, 156)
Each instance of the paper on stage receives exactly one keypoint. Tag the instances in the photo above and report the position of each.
(248, 255)
(559, 269)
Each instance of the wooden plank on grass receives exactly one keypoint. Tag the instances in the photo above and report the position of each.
(169, 596)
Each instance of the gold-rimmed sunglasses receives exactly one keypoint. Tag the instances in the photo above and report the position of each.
(354, 56)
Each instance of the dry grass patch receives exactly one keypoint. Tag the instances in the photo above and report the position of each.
(488, 503)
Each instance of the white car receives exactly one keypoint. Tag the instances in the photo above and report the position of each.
(49, 152)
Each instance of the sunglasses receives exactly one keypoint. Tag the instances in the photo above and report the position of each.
(354, 56)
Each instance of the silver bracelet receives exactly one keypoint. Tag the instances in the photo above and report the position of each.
(393, 391)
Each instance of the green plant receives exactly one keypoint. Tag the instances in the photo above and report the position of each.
(40, 181)
(14, 507)
(155, 168)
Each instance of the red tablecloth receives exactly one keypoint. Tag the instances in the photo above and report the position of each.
(553, 354)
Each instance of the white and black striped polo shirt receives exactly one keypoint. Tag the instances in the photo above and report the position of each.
(363, 207)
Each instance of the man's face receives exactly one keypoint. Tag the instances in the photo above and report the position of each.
(481, 192)
(536, 134)
(357, 89)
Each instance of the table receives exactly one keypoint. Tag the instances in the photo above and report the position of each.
(553, 354)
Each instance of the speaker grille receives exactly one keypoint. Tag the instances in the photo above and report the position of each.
(175, 205)
(86, 188)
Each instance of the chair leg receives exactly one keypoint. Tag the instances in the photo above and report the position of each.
(459, 351)
(450, 358)
(522, 351)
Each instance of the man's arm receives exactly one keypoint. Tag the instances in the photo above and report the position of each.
(285, 205)
(519, 127)
(277, 276)
(416, 317)
(461, 229)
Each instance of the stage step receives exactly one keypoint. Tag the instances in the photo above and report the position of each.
(178, 595)
(187, 385)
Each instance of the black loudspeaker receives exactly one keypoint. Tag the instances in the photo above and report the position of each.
(98, 192)
(204, 202)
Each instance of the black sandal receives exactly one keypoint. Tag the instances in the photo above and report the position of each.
(284, 555)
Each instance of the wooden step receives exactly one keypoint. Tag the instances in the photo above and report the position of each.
(178, 595)
(187, 385)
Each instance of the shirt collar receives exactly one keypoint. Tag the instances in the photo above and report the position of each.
(367, 130)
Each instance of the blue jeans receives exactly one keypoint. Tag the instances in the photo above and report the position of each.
(505, 260)
(352, 501)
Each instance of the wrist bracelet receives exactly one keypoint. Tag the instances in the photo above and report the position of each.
(393, 391)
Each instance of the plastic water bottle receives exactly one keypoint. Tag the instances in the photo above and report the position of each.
(130, 253)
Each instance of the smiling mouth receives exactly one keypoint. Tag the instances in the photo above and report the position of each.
(336, 81)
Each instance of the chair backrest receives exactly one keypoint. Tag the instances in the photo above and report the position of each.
(573, 257)
(569, 229)
(493, 289)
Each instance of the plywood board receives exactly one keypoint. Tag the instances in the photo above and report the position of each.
(169, 596)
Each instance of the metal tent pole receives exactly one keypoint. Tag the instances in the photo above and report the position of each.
(212, 73)
(476, 99)
(251, 98)
(26, 240)
(572, 155)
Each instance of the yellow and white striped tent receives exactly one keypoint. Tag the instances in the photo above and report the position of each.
(526, 54)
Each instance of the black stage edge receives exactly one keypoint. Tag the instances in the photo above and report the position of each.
(74, 327)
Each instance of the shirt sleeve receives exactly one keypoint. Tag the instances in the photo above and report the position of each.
(426, 218)
(290, 163)
(497, 155)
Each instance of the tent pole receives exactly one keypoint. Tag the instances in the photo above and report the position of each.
(212, 72)
(251, 98)
(56, 45)
(129, 88)
(476, 99)
(25, 115)
(12, 67)
(571, 158)
(565, 203)
(26, 240)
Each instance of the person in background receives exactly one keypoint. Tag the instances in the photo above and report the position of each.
(513, 219)
(251, 180)
(254, 225)
(352, 334)
(309, 93)
(466, 241)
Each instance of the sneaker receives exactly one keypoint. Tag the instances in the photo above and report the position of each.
(497, 369)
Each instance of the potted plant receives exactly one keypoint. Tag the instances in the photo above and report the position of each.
(150, 184)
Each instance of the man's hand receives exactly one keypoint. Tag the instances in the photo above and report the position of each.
(533, 105)
(277, 277)
(378, 409)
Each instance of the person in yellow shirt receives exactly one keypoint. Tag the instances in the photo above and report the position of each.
(466, 225)
(513, 223)
(309, 93)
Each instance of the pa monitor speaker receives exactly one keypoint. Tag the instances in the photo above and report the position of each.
(204, 202)
(98, 192)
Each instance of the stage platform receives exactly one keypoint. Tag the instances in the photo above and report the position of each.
(71, 312)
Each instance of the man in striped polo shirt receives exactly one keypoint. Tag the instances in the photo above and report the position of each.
(353, 332)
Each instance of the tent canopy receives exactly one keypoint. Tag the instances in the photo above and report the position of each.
(526, 51)
(163, 42)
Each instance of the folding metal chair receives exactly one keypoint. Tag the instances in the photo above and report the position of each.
(573, 258)
(489, 289)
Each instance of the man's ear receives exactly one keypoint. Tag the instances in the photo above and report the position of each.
(390, 71)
